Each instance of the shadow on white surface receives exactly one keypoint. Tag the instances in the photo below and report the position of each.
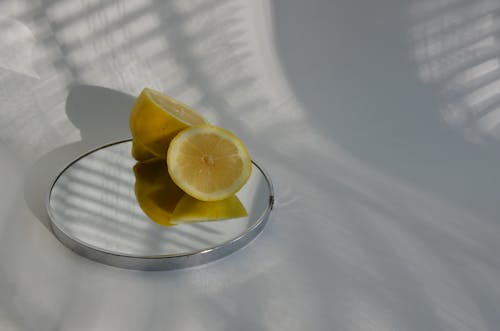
(457, 51)
(410, 201)
(101, 115)
(386, 218)
(360, 90)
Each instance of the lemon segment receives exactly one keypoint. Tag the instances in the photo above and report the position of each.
(189, 210)
(155, 119)
(208, 163)
(155, 191)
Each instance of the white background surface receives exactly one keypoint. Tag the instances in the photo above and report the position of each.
(377, 121)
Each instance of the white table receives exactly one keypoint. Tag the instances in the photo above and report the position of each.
(377, 121)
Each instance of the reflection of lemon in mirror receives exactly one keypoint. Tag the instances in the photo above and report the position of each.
(190, 210)
(166, 204)
(154, 120)
(141, 153)
(155, 191)
(208, 163)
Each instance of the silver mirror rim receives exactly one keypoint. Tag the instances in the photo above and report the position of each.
(157, 262)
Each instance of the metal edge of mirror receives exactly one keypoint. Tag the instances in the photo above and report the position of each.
(158, 262)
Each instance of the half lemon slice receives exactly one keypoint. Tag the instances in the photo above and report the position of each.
(155, 119)
(208, 163)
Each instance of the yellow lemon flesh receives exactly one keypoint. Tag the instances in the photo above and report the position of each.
(208, 163)
(155, 191)
(154, 120)
(190, 210)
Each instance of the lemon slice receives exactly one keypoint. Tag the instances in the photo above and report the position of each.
(208, 163)
(154, 120)
(155, 191)
(189, 210)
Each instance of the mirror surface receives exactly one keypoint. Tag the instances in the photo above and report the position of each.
(93, 201)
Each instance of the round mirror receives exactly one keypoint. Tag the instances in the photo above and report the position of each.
(95, 210)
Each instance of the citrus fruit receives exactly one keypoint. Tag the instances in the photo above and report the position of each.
(166, 204)
(208, 163)
(155, 119)
(155, 191)
(190, 210)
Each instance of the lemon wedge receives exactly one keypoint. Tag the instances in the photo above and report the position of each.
(154, 120)
(208, 163)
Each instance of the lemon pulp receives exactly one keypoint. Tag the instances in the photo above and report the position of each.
(208, 163)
